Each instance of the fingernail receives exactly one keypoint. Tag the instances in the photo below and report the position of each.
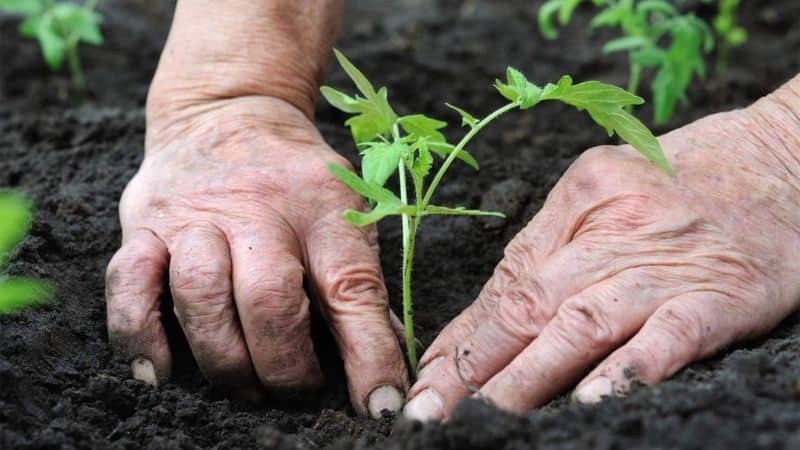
(427, 405)
(594, 391)
(143, 370)
(384, 398)
(428, 368)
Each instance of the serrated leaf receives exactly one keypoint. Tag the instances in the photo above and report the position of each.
(361, 81)
(443, 149)
(422, 126)
(380, 160)
(606, 104)
(518, 89)
(423, 160)
(545, 18)
(18, 293)
(339, 100)
(381, 210)
(374, 116)
(467, 119)
(460, 211)
(386, 203)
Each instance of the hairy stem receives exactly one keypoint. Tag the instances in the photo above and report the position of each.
(408, 311)
(454, 153)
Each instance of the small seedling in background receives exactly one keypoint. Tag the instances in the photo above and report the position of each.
(16, 292)
(643, 25)
(59, 27)
(729, 33)
(406, 145)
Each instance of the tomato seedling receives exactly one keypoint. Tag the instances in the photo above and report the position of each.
(16, 292)
(729, 33)
(406, 145)
(59, 27)
(643, 25)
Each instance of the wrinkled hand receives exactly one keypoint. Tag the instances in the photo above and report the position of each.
(234, 202)
(629, 274)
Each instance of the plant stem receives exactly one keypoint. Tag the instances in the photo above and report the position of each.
(75, 67)
(633, 81)
(408, 312)
(454, 153)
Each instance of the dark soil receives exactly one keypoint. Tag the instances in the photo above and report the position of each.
(61, 387)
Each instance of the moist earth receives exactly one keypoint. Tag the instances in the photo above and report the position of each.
(61, 387)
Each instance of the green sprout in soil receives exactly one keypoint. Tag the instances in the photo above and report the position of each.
(406, 145)
(729, 33)
(655, 35)
(16, 292)
(59, 27)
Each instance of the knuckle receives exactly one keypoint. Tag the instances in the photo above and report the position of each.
(272, 290)
(208, 276)
(525, 309)
(679, 325)
(354, 284)
(583, 324)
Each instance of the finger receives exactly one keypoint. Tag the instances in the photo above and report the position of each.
(273, 307)
(200, 280)
(134, 280)
(586, 327)
(687, 328)
(346, 274)
(543, 235)
(524, 309)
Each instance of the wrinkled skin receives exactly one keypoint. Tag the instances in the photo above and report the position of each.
(233, 204)
(627, 274)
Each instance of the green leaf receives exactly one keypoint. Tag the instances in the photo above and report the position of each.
(443, 149)
(423, 161)
(460, 211)
(374, 116)
(386, 203)
(563, 9)
(18, 293)
(366, 189)
(606, 104)
(467, 119)
(340, 100)
(380, 211)
(626, 44)
(22, 7)
(79, 21)
(609, 17)
(361, 81)
(518, 89)
(15, 210)
(422, 126)
(380, 160)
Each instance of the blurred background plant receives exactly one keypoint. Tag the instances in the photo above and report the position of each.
(59, 27)
(655, 35)
(15, 221)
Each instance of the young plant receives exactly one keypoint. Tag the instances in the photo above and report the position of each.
(654, 35)
(59, 27)
(16, 293)
(729, 33)
(406, 145)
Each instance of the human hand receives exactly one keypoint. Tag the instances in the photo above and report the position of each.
(234, 200)
(629, 274)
